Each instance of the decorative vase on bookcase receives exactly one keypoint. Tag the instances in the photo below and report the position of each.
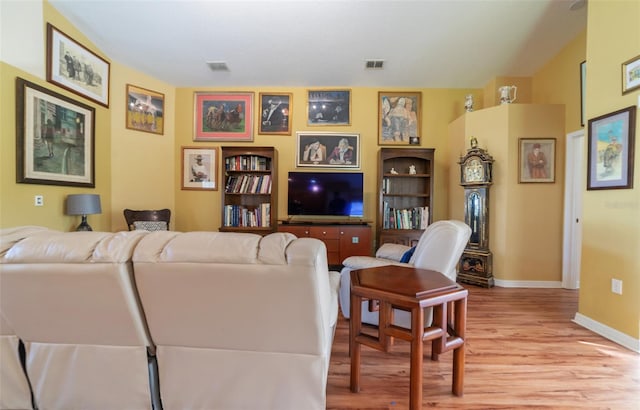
(250, 189)
(405, 187)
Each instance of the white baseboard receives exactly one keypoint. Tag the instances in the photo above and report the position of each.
(607, 332)
(527, 283)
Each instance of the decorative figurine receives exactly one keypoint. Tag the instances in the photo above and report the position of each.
(505, 94)
(393, 171)
(468, 103)
(474, 143)
(412, 169)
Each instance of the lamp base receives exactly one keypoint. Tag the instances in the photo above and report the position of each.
(84, 226)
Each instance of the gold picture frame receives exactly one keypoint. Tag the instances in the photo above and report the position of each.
(399, 118)
(145, 110)
(200, 168)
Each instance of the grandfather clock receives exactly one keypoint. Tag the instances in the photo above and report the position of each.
(475, 266)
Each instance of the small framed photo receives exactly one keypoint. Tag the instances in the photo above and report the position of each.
(72, 66)
(223, 116)
(611, 150)
(275, 113)
(199, 168)
(54, 138)
(631, 75)
(329, 107)
(327, 150)
(537, 160)
(145, 110)
(399, 117)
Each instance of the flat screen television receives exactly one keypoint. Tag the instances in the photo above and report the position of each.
(335, 194)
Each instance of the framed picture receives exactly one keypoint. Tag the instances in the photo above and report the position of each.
(611, 150)
(54, 138)
(330, 150)
(72, 66)
(329, 107)
(199, 168)
(631, 75)
(145, 110)
(537, 160)
(223, 116)
(583, 90)
(275, 113)
(399, 118)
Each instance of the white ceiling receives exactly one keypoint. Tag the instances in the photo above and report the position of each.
(305, 43)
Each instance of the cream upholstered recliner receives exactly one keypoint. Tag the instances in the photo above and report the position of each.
(439, 249)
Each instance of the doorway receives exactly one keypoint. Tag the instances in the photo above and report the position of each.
(573, 191)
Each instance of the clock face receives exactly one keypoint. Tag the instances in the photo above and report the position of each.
(473, 170)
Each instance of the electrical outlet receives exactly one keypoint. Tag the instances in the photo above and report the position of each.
(616, 286)
(38, 200)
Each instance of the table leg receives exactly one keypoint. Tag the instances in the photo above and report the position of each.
(415, 367)
(459, 325)
(385, 318)
(355, 327)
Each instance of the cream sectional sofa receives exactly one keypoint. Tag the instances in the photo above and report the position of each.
(196, 320)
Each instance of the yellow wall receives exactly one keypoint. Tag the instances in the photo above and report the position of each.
(611, 218)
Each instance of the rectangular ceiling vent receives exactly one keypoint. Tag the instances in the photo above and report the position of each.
(374, 64)
(218, 65)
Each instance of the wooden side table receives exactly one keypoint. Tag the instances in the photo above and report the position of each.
(413, 290)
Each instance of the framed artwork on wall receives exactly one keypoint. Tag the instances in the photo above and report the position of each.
(327, 150)
(72, 66)
(199, 168)
(145, 110)
(631, 75)
(223, 116)
(537, 160)
(611, 150)
(275, 113)
(55, 138)
(329, 107)
(399, 116)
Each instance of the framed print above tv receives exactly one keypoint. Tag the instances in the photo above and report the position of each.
(223, 116)
(54, 138)
(327, 150)
(145, 110)
(72, 66)
(329, 107)
(611, 150)
(399, 116)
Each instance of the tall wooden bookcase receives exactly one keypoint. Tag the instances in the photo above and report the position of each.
(405, 187)
(249, 193)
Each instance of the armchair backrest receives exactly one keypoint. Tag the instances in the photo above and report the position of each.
(440, 247)
(147, 219)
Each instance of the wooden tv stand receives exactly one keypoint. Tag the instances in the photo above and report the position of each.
(342, 239)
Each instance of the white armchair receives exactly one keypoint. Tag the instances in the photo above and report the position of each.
(439, 249)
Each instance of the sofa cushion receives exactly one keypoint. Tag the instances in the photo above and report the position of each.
(393, 251)
(150, 225)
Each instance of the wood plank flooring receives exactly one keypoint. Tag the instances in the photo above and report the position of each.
(522, 351)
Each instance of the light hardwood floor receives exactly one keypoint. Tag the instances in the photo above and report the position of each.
(522, 350)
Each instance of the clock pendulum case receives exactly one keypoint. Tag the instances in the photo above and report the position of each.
(475, 266)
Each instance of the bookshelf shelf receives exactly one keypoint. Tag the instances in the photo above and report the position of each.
(405, 199)
(250, 189)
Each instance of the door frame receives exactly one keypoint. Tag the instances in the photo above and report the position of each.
(573, 193)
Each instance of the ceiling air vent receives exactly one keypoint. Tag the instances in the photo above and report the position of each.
(374, 64)
(218, 65)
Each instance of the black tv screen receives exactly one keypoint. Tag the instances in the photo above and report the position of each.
(336, 194)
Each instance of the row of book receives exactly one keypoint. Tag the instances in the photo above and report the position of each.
(246, 163)
(248, 184)
(240, 216)
(409, 218)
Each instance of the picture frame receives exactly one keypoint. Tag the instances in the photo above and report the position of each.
(55, 138)
(199, 168)
(327, 150)
(276, 111)
(631, 75)
(611, 149)
(583, 90)
(329, 107)
(399, 117)
(145, 110)
(223, 116)
(537, 160)
(74, 67)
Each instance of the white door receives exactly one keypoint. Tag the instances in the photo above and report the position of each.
(573, 191)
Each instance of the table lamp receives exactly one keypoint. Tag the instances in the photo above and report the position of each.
(83, 204)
